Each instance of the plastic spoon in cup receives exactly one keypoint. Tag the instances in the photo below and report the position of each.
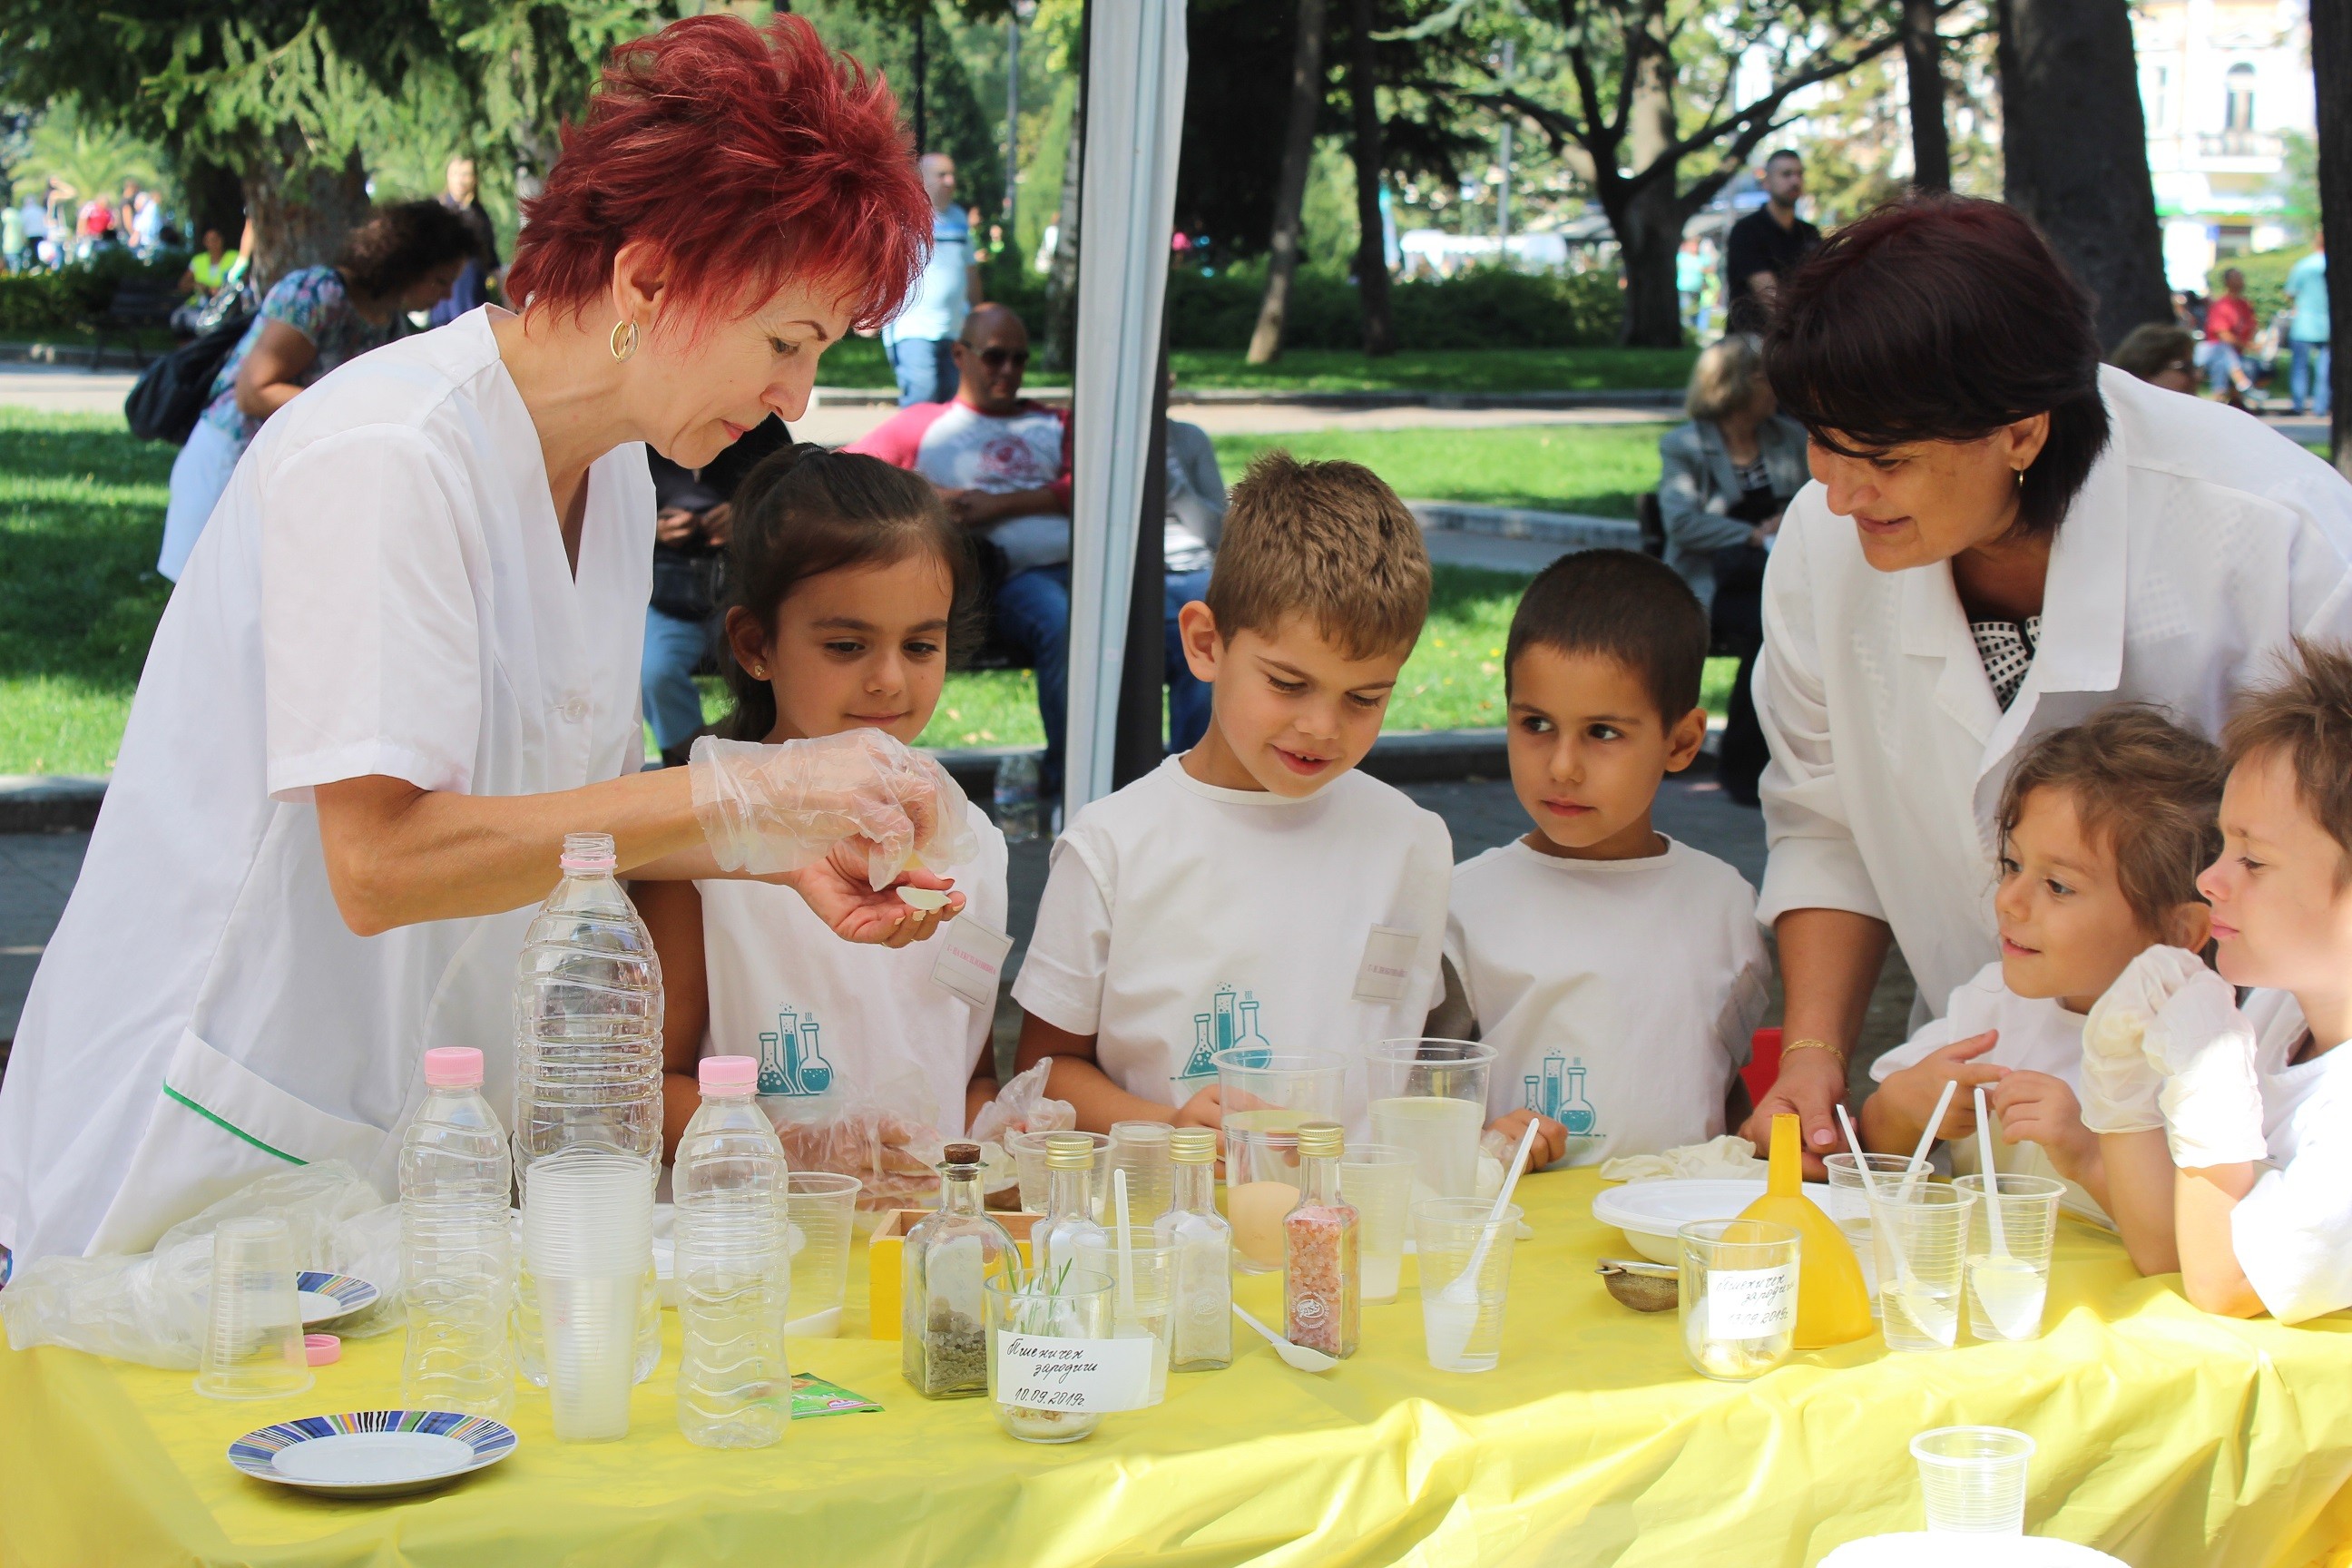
(1870, 1194)
(1126, 1247)
(1452, 1315)
(1918, 1167)
(2007, 1286)
(1300, 1356)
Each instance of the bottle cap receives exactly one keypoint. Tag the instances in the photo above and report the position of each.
(1192, 1146)
(728, 1072)
(1070, 1152)
(589, 854)
(321, 1350)
(962, 1155)
(1319, 1139)
(453, 1067)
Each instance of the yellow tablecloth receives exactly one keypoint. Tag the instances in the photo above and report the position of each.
(2167, 1437)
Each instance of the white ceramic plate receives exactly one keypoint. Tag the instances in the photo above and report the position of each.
(1650, 1213)
(372, 1453)
(326, 1297)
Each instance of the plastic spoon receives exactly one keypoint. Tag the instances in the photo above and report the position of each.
(1126, 1247)
(1300, 1356)
(1452, 1315)
(1922, 1306)
(2007, 1286)
(1918, 1167)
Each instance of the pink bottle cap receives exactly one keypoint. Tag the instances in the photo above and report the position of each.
(729, 1072)
(322, 1350)
(453, 1067)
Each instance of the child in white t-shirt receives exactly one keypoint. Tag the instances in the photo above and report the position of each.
(1257, 891)
(2104, 828)
(2247, 1188)
(1617, 974)
(845, 579)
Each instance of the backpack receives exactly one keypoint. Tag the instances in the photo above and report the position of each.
(171, 393)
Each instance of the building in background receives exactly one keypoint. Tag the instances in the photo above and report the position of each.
(2223, 84)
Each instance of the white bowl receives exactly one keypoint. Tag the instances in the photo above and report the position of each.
(1650, 1213)
(1919, 1550)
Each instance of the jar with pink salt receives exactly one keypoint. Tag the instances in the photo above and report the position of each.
(1320, 1293)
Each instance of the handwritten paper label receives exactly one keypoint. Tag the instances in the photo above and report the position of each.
(1087, 1376)
(1387, 969)
(1750, 1303)
(972, 957)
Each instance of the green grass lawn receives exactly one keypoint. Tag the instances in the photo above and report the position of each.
(1594, 468)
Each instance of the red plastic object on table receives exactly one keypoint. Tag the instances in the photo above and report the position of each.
(1763, 1064)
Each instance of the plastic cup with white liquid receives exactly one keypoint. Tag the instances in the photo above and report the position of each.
(1430, 1096)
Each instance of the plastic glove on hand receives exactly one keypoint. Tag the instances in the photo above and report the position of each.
(766, 809)
(1022, 1105)
(2211, 1096)
(2119, 1087)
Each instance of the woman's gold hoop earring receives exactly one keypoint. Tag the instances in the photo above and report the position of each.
(624, 340)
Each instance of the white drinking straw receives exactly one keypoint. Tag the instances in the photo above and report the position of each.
(1125, 1246)
(1991, 1180)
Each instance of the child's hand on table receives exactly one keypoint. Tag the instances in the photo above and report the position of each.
(1551, 1138)
(1911, 1092)
(1203, 1110)
(2035, 1108)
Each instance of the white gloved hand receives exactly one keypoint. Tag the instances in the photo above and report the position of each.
(1022, 1105)
(2119, 1085)
(2213, 1095)
(770, 809)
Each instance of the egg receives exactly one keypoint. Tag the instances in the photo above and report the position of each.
(1255, 1209)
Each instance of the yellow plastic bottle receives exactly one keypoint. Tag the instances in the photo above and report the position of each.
(1833, 1302)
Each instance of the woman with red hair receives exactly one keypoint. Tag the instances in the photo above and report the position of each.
(402, 665)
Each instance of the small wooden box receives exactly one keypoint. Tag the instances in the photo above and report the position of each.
(885, 1260)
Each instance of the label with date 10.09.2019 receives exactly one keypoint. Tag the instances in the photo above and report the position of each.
(1751, 1303)
(1090, 1376)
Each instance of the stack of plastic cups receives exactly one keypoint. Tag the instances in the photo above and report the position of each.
(1141, 1149)
(1973, 1479)
(822, 1208)
(587, 1226)
(1922, 1240)
(1378, 1180)
(253, 1338)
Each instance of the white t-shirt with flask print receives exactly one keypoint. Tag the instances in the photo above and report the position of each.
(839, 1026)
(1180, 918)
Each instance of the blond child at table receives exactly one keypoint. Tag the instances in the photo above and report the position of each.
(2104, 828)
(1257, 891)
(847, 581)
(2228, 1128)
(1617, 974)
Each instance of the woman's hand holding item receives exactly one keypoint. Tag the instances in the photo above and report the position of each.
(2119, 1086)
(837, 890)
(767, 809)
(2211, 1095)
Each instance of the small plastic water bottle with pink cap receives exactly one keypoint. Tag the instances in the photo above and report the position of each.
(456, 1257)
(734, 1276)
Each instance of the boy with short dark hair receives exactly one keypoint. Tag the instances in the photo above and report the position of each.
(1256, 891)
(1617, 974)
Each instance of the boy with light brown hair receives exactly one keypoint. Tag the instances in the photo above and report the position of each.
(1256, 892)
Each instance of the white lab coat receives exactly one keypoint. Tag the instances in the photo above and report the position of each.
(382, 591)
(2199, 543)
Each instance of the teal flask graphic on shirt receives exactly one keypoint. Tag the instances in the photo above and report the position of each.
(1576, 1112)
(1229, 1023)
(791, 1062)
(1559, 1094)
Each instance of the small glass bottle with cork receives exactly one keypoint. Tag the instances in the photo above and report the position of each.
(1202, 1327)
(1321, 1292)
(950, 1256)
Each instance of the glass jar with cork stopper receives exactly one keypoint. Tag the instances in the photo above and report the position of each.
(950, 1257)
(1320, 1293)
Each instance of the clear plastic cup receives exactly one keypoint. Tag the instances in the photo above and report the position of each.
(1265, 1096)
(1079, 1308)
(1378, 1180)
(1141, 1149)
(2007, 1292)
(1430, 1096)
(1850, 1207)
(1028, 1151)
(1973, 1479)
(1923, 1243)
(253, 1332)
(1152, 1273)
(1738, 1301)
(823, 1209)
(587, 1233)
(1463, 1336)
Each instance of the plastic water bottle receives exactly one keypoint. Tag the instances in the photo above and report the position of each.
(734, 1279)
(457, 1258)
(1016, 796)
(588, 1052)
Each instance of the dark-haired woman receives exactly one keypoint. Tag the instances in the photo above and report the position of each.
(313, 320)
(2003, 538)
(401, 670)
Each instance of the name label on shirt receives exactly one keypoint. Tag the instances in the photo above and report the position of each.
(1751, 1303)
(971, 958)
(1081, 1376)
(1387, 970)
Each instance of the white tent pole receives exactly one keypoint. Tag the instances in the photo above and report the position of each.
(1134, 119)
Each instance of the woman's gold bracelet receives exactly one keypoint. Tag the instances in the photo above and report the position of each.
(1813, 1045)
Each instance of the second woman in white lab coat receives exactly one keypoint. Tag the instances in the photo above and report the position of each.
(2002, 539)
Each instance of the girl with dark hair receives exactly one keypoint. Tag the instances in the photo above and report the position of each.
(313, 320)
(847, 585)
(2003, 536)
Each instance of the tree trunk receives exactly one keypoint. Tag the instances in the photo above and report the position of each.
(301, 211)
(2074, 146)
(2331, 69)
(1923, 67)
(1649, 222)
(1371, 241)
(1058, 352)
(1290, 188)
